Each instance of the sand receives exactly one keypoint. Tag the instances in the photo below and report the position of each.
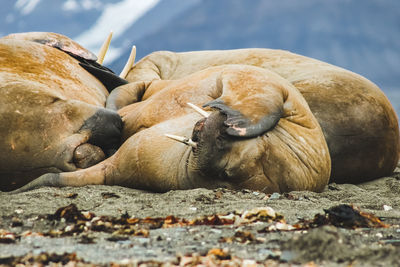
(31, 231)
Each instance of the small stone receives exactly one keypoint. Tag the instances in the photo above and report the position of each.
(15, 222)
(386, 207)
(275, 196)
(267, 253)
(249, 263)
(19, 211)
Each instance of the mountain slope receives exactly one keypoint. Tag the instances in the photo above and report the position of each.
(360, 35)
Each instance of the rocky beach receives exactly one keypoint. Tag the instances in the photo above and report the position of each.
(344, 225)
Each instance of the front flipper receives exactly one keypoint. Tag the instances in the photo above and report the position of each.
(251, 98)
(95, 175)
(125, 95)
(49, 179)
(241, 126)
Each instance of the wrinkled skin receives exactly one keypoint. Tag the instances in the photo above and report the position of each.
(52, 115)
(358, 121)
(55, 40)
(288, 153)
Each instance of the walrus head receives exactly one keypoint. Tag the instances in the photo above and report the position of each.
(212, 143)
(228, 153)
(256, 137)
(52, 111)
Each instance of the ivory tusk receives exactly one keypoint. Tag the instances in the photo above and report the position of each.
(186, 141)
(199, 110)
(104, 48)
(129, 63)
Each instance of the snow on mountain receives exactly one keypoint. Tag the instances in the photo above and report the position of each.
(73, 5)
(117, 17)
(26, 6)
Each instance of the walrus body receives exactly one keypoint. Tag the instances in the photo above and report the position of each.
(269, 141)
(52, 115)
(358, 121)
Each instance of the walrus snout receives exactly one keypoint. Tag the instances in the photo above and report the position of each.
(105, 128)
(212, 141)
(211, 128)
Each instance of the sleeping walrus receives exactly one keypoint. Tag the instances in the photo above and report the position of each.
(52, 115)
(260, 134)
(358, 121)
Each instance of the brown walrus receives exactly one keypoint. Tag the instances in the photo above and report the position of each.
(260, 135)
(358, 121)
(52, 115)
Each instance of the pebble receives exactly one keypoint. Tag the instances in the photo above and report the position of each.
(275, 196)
(267, 253)
(386, 207)
(19, 211)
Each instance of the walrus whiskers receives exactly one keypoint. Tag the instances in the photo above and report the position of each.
(199, 110)
(104, 48)
(129, 63)
(186, 141)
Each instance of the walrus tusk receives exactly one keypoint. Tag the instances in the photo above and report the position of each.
(129, 63)
(186, 141)
(104, 48)
(199, 110)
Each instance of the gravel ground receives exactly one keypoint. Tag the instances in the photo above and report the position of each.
(111, 225)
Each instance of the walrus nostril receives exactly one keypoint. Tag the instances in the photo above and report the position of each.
(87, 155)
(105, 127)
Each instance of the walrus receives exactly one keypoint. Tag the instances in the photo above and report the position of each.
(52, 114)
(86, 58)
(358, 121)
(259, 134)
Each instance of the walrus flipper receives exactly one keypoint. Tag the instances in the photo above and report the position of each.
(241, 126)
(48, 179)
(108, 78)
(252, 106)
(126, 95)
(94, 175)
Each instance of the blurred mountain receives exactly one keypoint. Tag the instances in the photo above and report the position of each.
(86, 21)
(359, 35)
